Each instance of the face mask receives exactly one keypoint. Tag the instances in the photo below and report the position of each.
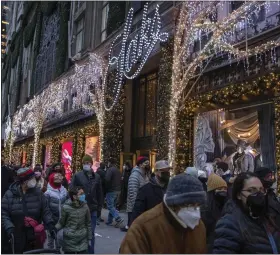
(190, 216)
(31, 183)
(164, 177)
(256, 204)
(87, 168)
(221, 196)
(82, 198)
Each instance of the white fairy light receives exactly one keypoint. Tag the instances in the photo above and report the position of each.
(136, 51)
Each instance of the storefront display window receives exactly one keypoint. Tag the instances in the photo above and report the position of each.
(66, 158)
(243, 137)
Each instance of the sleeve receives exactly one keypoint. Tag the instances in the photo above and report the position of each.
(140, 204)
(46, 213)
(227, 236)
(73, 181)
(99, 194)
(5, 213)
(88, 224)
(133, 187)
(108, 178)
(135, 241)
(62, 222)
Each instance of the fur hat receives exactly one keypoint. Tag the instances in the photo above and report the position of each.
(184, 189)
(215, 182)
(141, 160)
(24, 174)
(87, 158)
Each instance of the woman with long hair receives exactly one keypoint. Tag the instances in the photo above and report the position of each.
(247, 229)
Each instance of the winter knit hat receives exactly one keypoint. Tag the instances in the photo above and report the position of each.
(192, 171)
(141, 160)
(24, 174)
(215, 182)
(87, 158)
(184, 189)
(261, 172)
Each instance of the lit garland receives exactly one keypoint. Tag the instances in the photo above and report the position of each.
(277, 138)
(193, 21)
(226, 96)
(164, 89)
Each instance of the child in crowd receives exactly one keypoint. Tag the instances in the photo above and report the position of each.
(56, 196)
(75, 222)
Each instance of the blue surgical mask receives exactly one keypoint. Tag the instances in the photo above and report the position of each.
(82, 198)
(86, 167)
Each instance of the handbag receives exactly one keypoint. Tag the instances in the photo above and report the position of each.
(39, 233)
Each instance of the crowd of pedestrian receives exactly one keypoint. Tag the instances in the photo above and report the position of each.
(198, 211)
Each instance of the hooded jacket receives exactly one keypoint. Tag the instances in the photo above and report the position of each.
(12, 213)
(149, 195)
(158, 232)
(136, 180)
(76, 224)
(56, 198)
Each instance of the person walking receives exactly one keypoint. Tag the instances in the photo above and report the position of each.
(216, 199)
(113, 189)
(56, 195)
(173, 226)
(92, 187)
(41, 182)
(124, 184)
(24, 208)
(75, 223)
(102, 173)
(139, 176)
(151, 194)
(247, 230)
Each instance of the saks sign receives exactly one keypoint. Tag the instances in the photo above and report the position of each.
(135, 52)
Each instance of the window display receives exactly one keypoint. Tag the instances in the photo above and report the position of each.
(92, 148)
(243, 138)
(66, 158)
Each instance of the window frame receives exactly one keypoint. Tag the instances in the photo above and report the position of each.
(78, 32)
(103, 30)
(135, 112)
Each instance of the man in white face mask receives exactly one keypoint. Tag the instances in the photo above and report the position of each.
(175, 222)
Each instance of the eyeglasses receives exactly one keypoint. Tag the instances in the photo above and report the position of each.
(254, 190)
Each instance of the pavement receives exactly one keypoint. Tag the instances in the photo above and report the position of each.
(107, 238)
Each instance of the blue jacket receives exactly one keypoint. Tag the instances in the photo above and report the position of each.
(238, 233)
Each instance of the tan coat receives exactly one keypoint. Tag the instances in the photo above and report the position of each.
(157, 231)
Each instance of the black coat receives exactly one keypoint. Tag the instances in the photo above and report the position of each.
(113, 179)
(238, 233)
(102, 174)
(6, 179)
(92, 188)
(149, 195)
(12, 214)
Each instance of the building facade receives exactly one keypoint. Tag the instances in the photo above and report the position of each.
(38, 55)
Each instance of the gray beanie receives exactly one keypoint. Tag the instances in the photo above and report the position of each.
(185, 189)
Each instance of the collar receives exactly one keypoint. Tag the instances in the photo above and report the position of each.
(172, 216)
(226, 172)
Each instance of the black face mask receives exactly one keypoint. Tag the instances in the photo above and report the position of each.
(256, 204)
(164, 177)
(221, 196)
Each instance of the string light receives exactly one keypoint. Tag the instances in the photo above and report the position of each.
(136, 52)
(193, 21)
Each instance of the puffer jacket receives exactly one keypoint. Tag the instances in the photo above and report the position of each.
(136, 180)
(12, 213)
(56, 198)
(149, 195)
(238, 233)
(76, 224)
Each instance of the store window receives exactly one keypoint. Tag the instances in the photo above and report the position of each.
(243, 137)
(113, 16)
(80, 30)
(145, 105)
